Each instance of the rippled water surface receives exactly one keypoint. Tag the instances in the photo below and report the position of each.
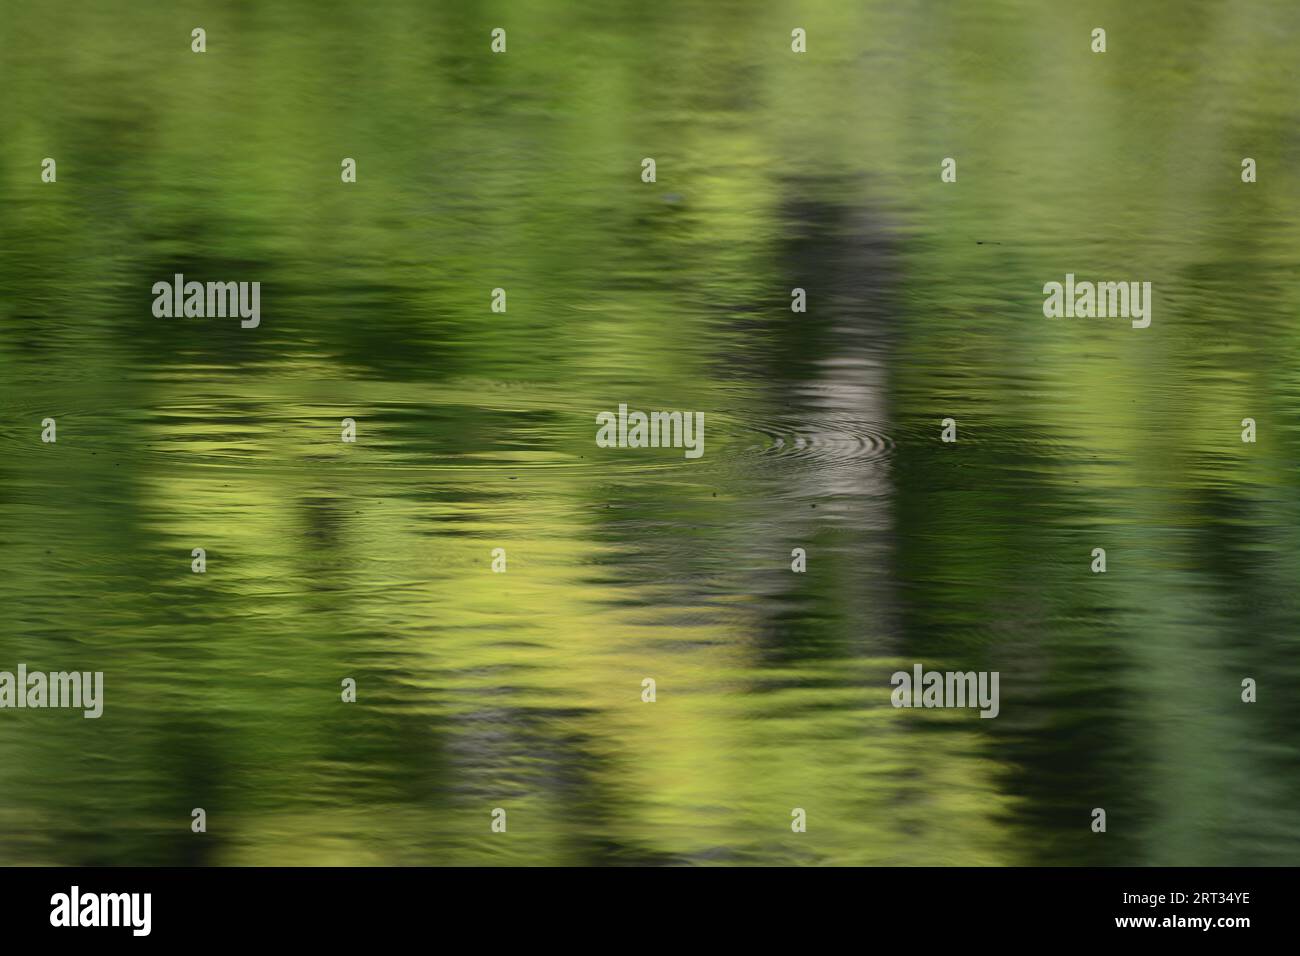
(476, 430)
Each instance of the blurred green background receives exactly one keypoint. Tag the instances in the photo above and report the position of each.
(476, 430)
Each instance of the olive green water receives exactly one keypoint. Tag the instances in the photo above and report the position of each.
(475, 431)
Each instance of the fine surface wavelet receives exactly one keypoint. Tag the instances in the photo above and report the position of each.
(817, 439)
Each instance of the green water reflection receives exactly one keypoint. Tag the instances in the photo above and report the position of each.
(475, 431)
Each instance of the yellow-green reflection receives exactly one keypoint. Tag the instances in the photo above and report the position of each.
(475, 431)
